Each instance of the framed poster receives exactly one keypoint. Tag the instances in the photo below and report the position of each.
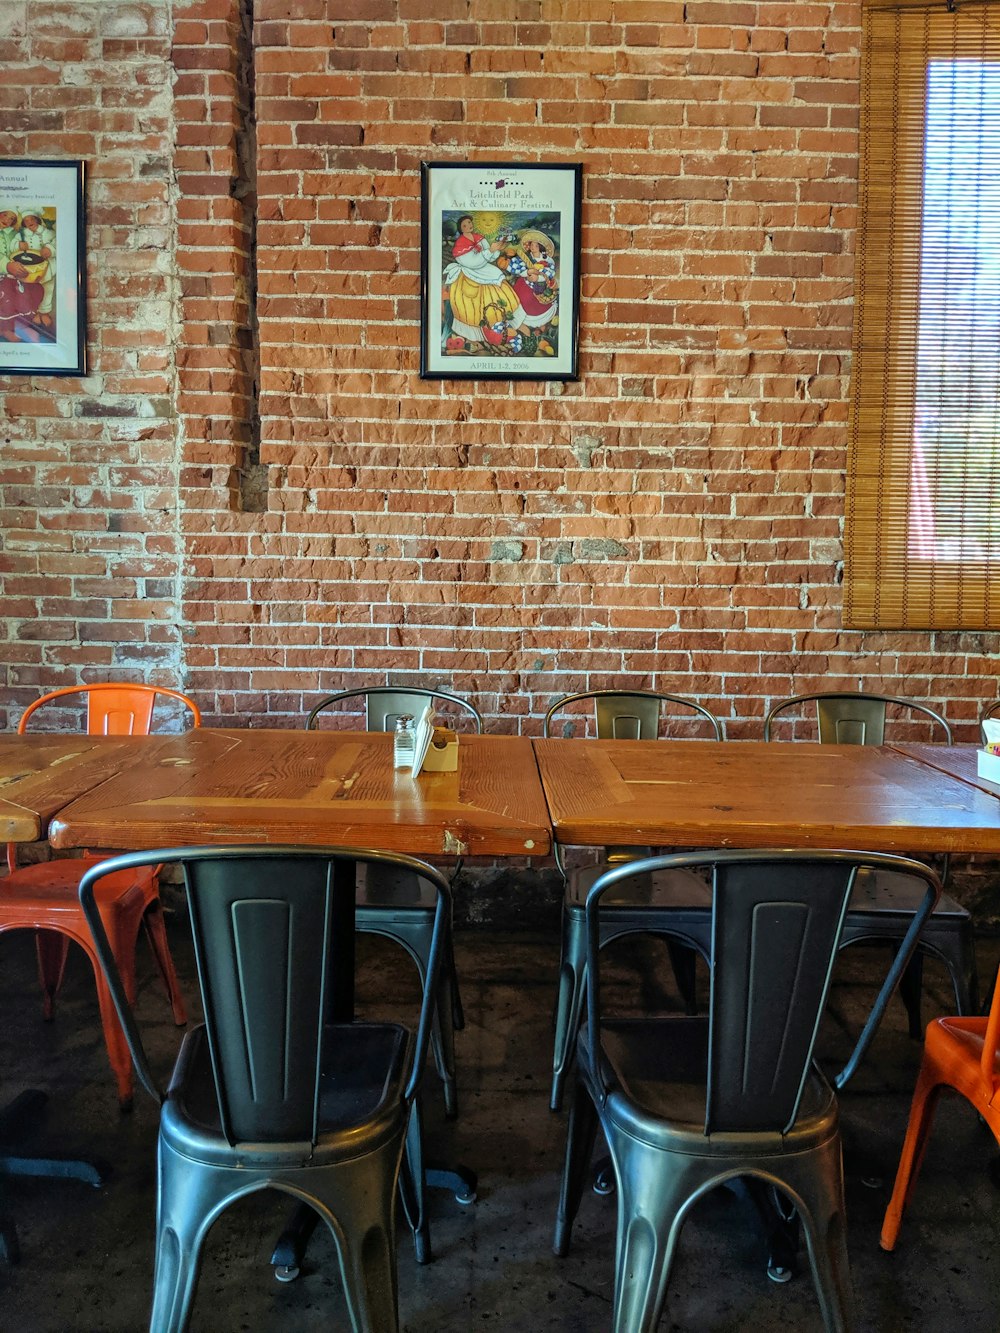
(43, 289)
(499, 270)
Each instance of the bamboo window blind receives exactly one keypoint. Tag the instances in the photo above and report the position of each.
(922, 533)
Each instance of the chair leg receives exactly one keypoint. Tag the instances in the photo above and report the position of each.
(819, 1182)
(683, 960)
(412, 1186)
(959, 954)
(780, 1223)
(451, 971)
(122, 934)
(188, 1194)
(415, 939)
(156, 932)
(581, 1130)
(813, 1182)
(443, 1046)
(569, 1003)
(650, 1216)
(910, 987)
(52, 949)
(918, 1129)
(366, 1245)
(119, 1056)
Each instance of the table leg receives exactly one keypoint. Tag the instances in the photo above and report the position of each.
(58, 1166)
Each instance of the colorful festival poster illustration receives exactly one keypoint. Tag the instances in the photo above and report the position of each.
(501, 247)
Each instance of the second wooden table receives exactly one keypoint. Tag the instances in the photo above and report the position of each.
(752, 794)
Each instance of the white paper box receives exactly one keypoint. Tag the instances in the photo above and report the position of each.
(988, 765)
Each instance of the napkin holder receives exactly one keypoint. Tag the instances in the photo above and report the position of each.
(988, 759)
(442, 753)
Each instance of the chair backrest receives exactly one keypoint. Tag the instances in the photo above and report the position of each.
(385, 703)
(631, 715)
(776, 924)
(846, 717)
(115, 709)
(267, 929)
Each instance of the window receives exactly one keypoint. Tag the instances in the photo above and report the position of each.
(922, 529)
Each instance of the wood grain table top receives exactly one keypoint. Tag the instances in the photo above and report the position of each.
(41, 772)
(957, 760)
(756, 794)
(316, 788)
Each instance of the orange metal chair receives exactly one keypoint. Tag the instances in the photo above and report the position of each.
(44, 897)
(959, 1053)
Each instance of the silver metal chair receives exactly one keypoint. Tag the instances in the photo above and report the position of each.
(683, 899)
(397, 905)
(689, 1103)
(279, 1088)
(882, 904)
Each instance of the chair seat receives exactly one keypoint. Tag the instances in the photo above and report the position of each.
(952, 1038)
(885, 892)
(657, 1069)
(361, 1087)
(670, 889)
(52, 886)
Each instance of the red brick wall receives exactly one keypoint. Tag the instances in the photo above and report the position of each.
(671, 520)
(89, 549)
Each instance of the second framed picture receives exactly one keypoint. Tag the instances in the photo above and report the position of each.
(500, 270)
(43, 286)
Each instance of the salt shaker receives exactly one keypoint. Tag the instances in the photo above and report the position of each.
(403, 742)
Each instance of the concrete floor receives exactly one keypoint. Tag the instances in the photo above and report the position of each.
(87, 1255)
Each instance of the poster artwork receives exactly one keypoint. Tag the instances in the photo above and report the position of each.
(42, 290)
(500, 270)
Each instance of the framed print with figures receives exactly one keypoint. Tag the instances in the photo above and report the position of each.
(43, 289)
(500, 270)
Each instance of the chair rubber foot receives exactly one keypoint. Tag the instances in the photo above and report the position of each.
(604, 1182)
(458, 1180)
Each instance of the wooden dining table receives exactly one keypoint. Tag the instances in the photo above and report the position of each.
(314, 788)
(774, 794)
(41, 772)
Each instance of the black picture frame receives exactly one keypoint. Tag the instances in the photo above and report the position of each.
(500, 270)
(43, 302)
